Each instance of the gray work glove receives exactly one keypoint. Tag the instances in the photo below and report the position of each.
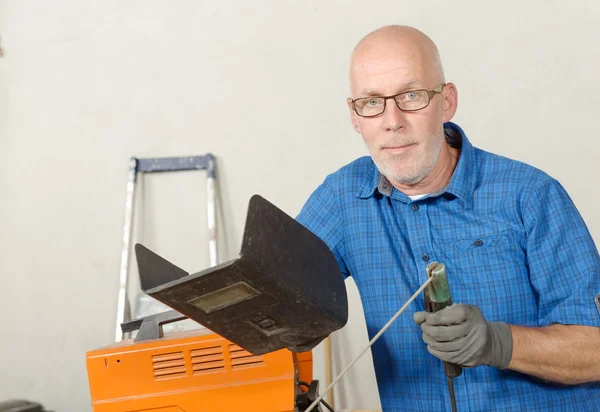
(460, 334)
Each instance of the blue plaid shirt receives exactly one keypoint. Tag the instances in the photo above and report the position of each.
(513, 244)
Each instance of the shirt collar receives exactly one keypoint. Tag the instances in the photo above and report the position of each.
(462, 182)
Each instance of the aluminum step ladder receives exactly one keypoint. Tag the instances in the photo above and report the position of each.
(160, 165)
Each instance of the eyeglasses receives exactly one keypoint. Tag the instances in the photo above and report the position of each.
(410, 101)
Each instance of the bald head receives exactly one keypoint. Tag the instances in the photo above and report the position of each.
(396, 48)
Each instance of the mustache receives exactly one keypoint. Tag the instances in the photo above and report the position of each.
(400, 140)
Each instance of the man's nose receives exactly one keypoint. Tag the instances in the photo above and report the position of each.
(393, 118)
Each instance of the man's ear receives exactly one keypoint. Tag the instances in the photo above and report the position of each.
(353, 116)
(450, 96)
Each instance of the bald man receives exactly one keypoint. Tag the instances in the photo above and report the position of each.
(519, 258)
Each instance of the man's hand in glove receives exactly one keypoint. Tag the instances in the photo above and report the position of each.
(460, 334)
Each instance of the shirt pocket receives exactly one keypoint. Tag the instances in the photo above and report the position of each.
(491, 272)
(482, 242)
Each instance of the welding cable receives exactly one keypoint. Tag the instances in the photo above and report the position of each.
(451, 391)
(387, 325)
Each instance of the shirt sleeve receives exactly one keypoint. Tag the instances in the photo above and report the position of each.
(563, 260)
(321, 215)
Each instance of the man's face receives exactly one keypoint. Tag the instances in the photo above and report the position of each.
(404, 145)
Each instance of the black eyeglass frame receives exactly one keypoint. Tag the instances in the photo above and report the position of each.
(430, 94)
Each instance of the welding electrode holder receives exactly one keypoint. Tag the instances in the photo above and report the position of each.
(437, 297)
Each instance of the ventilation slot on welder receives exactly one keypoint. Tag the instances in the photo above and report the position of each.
(241, 358)
(207, 360)
(168, 366)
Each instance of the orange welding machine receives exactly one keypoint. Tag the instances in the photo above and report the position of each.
(265, 311)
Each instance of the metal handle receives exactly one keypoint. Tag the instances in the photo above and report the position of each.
(173, 164)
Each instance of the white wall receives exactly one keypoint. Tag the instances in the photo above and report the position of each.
(85, 85)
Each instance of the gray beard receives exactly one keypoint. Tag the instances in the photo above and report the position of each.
(421, 173)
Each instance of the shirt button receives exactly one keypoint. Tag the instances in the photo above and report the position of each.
(425, 257)
(478, 242)
(415, 207)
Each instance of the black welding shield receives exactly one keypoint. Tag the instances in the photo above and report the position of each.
(284, 290)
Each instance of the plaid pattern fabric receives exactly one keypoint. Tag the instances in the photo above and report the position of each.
(513, 244)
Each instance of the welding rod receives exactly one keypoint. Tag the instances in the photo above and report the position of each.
(387, 325)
